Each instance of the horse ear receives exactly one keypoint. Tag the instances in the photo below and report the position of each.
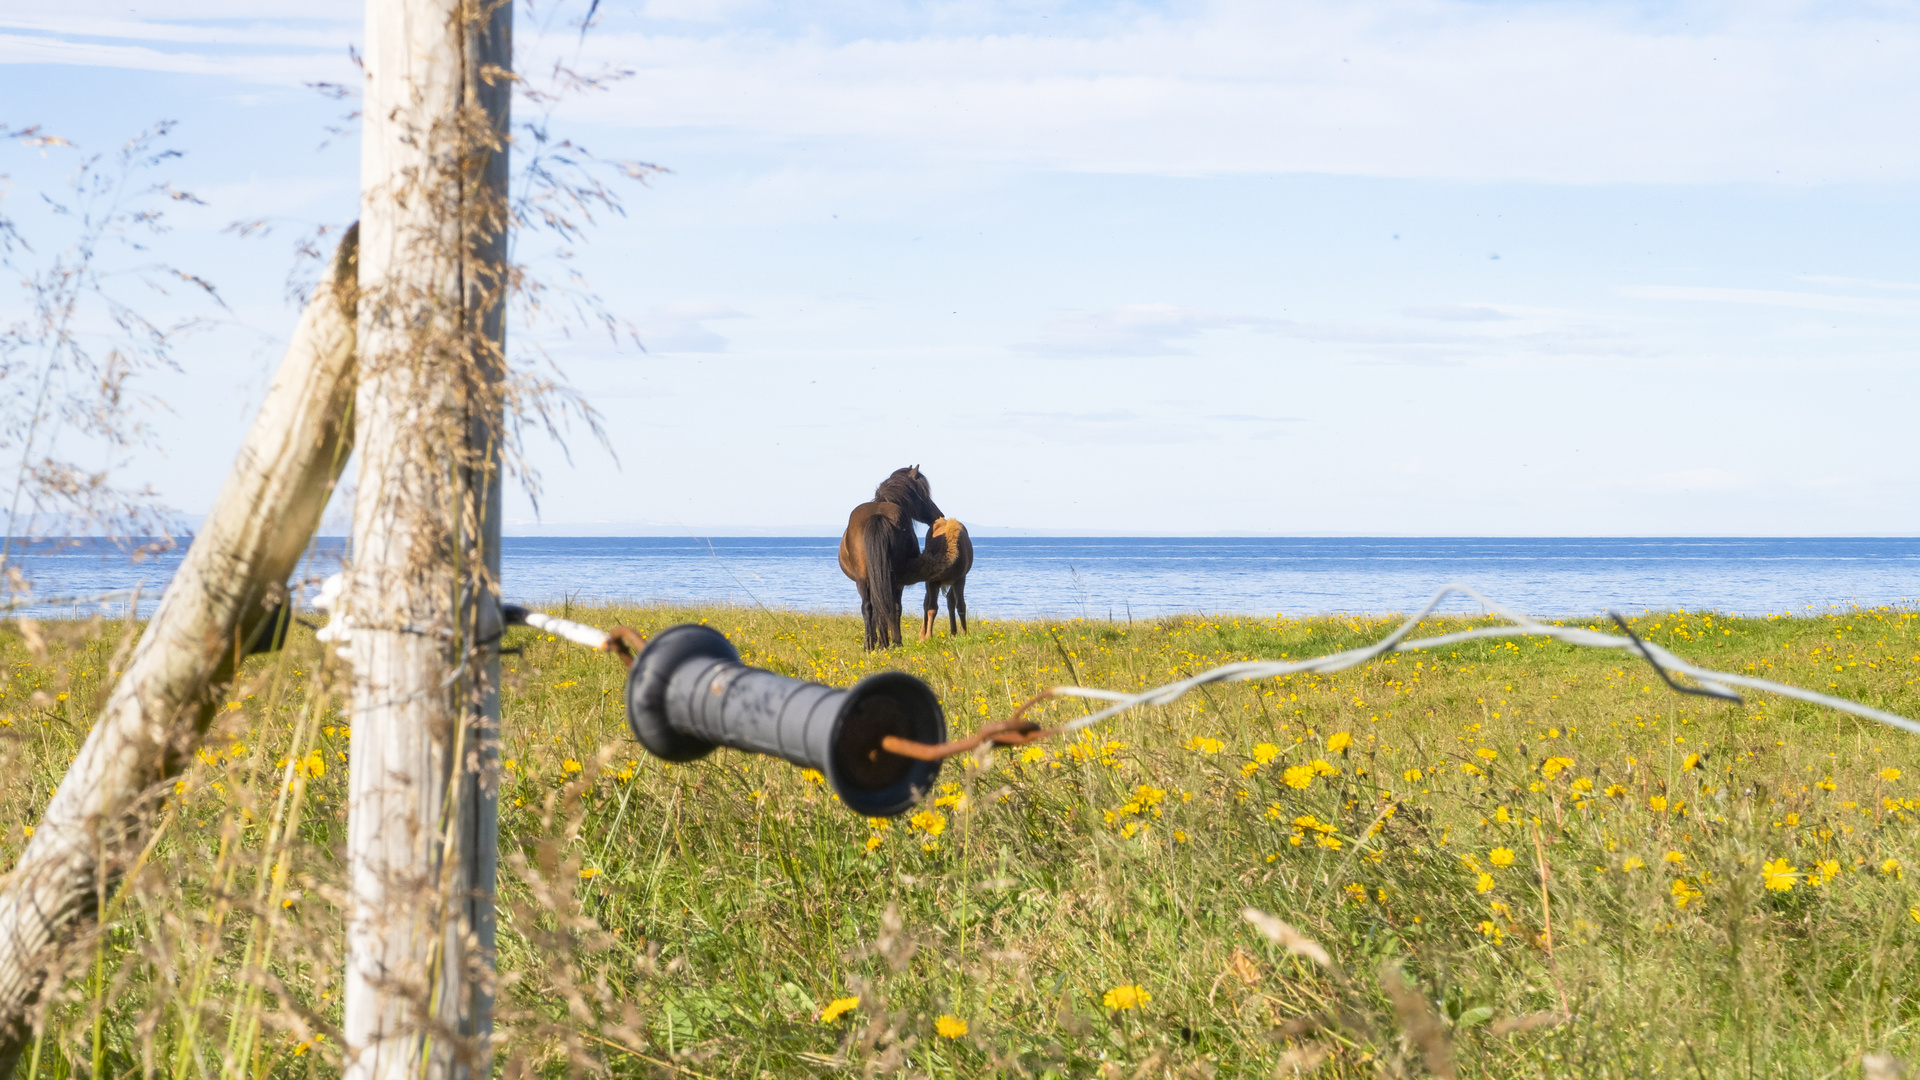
(913, 470)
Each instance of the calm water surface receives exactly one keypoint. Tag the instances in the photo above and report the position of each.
(1120, 576)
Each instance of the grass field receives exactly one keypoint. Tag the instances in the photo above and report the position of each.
(1520, 859)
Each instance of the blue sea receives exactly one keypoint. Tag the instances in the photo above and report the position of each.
(1131, 577)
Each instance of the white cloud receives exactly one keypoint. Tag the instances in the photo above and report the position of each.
(1856, 305)
(681, 327)
(701, 11)
(1859, 283)
(1135, 330)
(80, 25)
(1699, 480)
(285, 70)
(1563, 93)
(1413, 88)
(1457, 313)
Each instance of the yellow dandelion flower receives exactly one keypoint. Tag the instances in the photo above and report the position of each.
(1683, 893)
(1299, 776)
(1828, 868)
(1502, 816)
(1554, 766)
(1692, 762)
(950, 1027)
(1582, 784)
(570, 766)
(588, 873)
(1031, 755)
(1657, 803)
(1128, 996)
(1889, 775)
(1411, 776)
(813, 776)
(1321, 768)
(1676, 857)
(1633, 863)
(1487, 752)
(1500, 856)
(837, 1008)
(1205, 744)
(1778, 875)
(929, 822)
(1891, 868)
(873, 842)
(1484, 884)
(1338, 742)
(1614, 791)
(1265, 752)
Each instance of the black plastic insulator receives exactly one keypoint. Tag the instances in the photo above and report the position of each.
(688, 692)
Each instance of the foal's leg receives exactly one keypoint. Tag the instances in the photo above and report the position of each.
(932, 613)
(957, 605)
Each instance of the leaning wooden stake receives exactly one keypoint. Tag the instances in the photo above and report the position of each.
(422, 592)
(237, 566)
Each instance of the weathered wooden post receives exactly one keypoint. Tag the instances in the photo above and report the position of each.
(422, 590)
(267, 511)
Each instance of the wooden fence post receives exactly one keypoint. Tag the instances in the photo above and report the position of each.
(422, 591)
(261, 523)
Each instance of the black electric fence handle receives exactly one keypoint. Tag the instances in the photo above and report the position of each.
(688, 692)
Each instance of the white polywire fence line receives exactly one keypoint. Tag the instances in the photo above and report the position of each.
(1714, 683)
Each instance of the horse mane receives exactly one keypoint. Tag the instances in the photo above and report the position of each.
(908, 489)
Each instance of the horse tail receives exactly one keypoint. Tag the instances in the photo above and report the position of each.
(877, 537)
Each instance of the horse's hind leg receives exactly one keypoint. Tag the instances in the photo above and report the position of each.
(957, 606)
(866, 611)
(893, 617)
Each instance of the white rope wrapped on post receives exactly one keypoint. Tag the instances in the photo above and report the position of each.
(1713, 683)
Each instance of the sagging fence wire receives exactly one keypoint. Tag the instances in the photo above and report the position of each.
(1016, 730)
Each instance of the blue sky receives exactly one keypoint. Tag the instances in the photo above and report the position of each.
(1393, 268)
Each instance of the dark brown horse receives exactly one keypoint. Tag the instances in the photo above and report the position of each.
(945, 562)
(879, 548)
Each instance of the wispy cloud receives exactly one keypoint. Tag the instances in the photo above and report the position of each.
(1457, 313)
(1582, 93)
(247, 67)
(682, 327)
(1809, 301)
(1136, 330)
(1859, 283)
(1554, 92)
(1700, 480)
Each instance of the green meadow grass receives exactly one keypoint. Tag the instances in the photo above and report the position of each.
(1520, 858)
